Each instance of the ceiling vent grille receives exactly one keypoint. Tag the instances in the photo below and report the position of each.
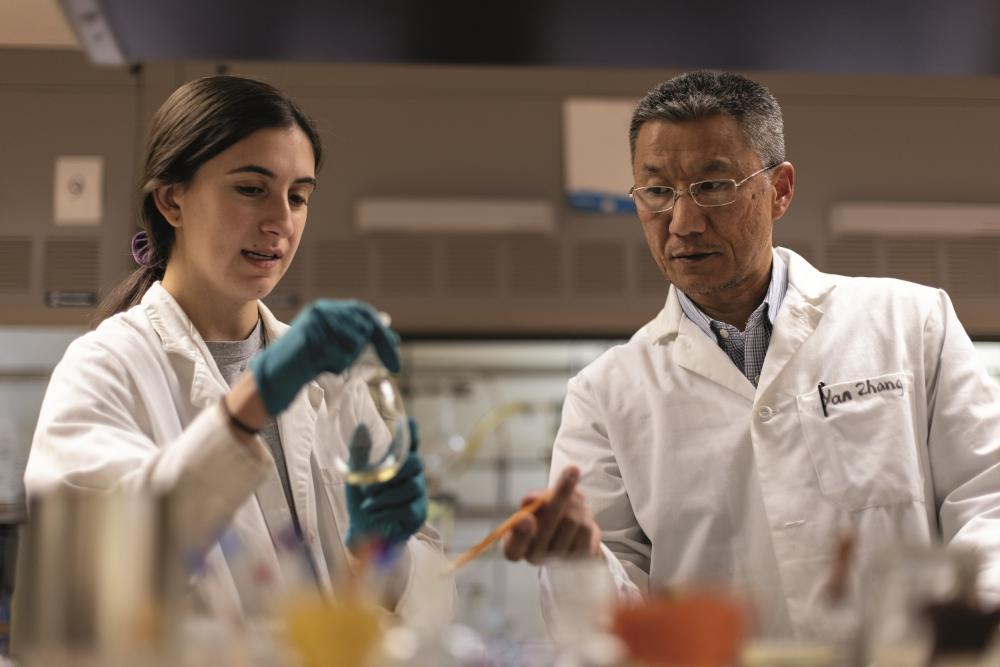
(72, 265)
(15, 264)
(340, 267)
(916, 261)
(649, 278)
(852, 258)
(598, 268)
(406, 266)
(472, 266)
(535, 267)
(972, 269)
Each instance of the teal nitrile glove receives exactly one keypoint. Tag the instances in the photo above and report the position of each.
(327, 336)
(391, 511)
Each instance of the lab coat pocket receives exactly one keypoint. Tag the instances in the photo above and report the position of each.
(862, 440)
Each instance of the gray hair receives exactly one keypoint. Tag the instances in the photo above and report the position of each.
(705, 94)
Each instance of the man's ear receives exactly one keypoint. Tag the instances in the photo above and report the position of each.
(783, 184)
(168, 202)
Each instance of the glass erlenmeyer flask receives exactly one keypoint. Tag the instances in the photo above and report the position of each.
(373, 423)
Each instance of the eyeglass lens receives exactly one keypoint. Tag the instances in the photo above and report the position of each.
(705, 193)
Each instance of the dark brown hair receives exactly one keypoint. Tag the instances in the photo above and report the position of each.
(198, 121)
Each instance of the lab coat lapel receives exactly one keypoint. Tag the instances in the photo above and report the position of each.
(297, 426)
(699, 354)
(795, 323)
(800, 314)
(182, 341)
(691, 349)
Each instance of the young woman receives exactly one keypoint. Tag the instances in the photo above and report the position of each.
(190, 386)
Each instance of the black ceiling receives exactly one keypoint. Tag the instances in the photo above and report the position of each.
(850, 36)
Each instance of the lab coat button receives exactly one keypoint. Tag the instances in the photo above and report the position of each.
(765, 413)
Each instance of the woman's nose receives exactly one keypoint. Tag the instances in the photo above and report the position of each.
(279, 218)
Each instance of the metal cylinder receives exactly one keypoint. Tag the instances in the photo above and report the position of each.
(93, 574)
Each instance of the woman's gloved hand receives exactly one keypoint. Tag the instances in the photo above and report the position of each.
(327, 336)
(394, 510)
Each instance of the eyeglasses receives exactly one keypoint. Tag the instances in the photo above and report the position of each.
(718, 192)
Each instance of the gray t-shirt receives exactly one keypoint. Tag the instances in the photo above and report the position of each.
(232, 358)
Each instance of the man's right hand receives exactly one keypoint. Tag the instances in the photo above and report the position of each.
(562, 527)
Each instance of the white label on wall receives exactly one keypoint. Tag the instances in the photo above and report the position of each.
(79, 190)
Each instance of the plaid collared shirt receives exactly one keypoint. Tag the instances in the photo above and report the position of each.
(746, 348)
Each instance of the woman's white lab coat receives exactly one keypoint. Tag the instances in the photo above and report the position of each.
(695, 476)
(133, 406)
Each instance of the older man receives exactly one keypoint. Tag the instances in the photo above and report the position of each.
(768, 407)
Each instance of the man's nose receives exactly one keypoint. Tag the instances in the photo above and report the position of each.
(686, 217)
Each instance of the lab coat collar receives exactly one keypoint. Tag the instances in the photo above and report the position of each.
(798, 317)
(180, 338)
(809, 284)
(698, 353)
(666, 325)
(693, 350)
(177, 332)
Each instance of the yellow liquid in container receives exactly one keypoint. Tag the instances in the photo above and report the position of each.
(373, 476)
(345, 633)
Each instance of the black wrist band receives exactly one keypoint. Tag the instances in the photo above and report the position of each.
(236, 423)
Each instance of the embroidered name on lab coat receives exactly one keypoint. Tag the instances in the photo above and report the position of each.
(836, 396)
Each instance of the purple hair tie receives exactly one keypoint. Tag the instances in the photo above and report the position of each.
(142, 250)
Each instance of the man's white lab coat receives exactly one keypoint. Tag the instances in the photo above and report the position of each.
(696, 477)
(133, 406)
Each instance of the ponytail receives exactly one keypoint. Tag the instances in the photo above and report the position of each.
(127, 293)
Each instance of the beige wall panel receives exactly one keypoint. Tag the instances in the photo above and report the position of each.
(472, 132)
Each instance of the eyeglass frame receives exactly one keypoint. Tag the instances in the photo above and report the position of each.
(680, 191)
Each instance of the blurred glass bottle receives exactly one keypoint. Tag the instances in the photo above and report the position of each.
(580, 613)
(8, 561)
(912, 581)
(13, 455)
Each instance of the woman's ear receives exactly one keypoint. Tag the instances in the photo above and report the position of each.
(167, 198)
